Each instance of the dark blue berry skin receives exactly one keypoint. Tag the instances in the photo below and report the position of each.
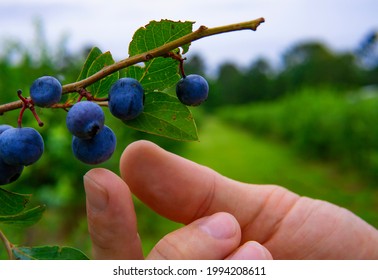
(46, 91)
(4, 127)
(192, 90)
(9, 173)
(21, 146)
(126, 99)
(97, 149)
(85, 119)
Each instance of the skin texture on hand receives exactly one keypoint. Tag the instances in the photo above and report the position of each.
(113, 228)
(224, 218)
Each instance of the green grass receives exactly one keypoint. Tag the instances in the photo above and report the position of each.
(237, 154)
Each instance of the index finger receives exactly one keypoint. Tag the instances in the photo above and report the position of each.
(184, 191)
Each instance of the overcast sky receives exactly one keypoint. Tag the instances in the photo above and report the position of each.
(110, 24)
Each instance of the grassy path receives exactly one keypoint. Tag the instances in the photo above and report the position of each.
(242, 156)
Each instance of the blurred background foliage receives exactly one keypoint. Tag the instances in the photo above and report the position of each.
(309, 124)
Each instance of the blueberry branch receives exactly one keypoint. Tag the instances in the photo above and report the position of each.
(99, 101)
(161, 51)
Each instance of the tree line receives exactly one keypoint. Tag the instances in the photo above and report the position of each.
(308, 64)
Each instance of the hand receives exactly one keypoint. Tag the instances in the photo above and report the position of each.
(224, 218)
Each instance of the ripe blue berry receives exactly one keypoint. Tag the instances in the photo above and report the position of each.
(85, 119)
(46, 91)
(9, 173)
(192, 90)
(21, 146)
(97, 149)
(126, 99)
(4, 127)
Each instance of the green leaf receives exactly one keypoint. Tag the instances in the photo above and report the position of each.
(48, 253)
(93, 54)
(12, 203)
(101, 88)
(165, 115)
(157, 73)
(25, 218)
(158, 33)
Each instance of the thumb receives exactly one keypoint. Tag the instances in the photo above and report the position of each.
(251, 250)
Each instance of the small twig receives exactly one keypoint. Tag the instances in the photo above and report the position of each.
(8, 246)
(99, 101)
(83, 93)
(180, 59)
(200, 33)
(27, 103)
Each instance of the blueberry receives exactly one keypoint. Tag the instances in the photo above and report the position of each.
(4, 127)
(97, 149)
(85, 119)
(21, 146)
(9, 173)
(126, 99)
(46, 91)
(192, 90)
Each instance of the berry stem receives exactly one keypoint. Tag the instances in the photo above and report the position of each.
(24, 106)
(19, 120)
(27, 103)
(180, 59)
(32, 109)
(23, 99)
(84, 93)
(181, 65)
(161, 51)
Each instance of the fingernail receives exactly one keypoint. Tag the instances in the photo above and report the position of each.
(219, 226)
(252, 251)
(97, 197)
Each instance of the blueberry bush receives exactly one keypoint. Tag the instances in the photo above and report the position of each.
(135, 90)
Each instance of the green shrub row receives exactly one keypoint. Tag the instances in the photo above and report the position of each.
(319, 124)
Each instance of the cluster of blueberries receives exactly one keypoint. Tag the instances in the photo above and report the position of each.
(23, 146)
(93, 142)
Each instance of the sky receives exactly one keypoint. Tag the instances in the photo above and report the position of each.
(110, 24)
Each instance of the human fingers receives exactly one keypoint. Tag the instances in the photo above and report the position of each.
(111, 216)
(213, 237)
(184, 191)
(251, 250)
(290, 226)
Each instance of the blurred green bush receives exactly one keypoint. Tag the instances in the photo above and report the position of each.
(319, 124)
